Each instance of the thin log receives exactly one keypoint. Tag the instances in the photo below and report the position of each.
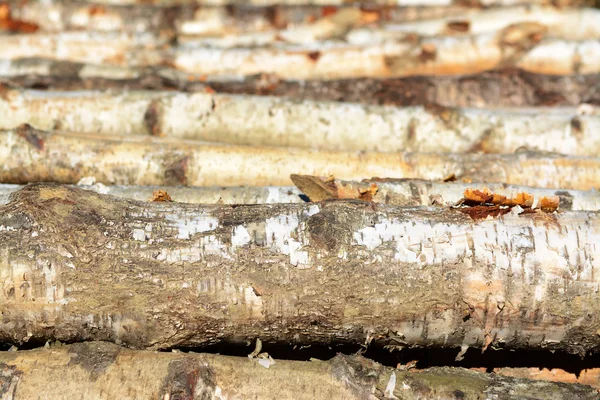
(30, 155)
(361, 54)
(77, 265)
(198, 195)
(397, 3)
(112, 48)
(273, 121)
(502, 88)
(589, 376)
(366, 56)
(105, 371)
(414, 192)
(197, 20)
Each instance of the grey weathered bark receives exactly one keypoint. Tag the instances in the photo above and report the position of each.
(271, 121)
(30, 155)
(106, 371)
(77, 265)
(415, 192)
(502, 88)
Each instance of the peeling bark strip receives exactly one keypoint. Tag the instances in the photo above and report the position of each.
(503, 88)
(105, 371)
(413, 192)
(361, 54)
(159, 275)
(67, 158)
(272, 121)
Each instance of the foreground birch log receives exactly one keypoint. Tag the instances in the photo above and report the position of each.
(106, 371)
(272, 121)
(77, 265)
(30, 155)
(414, 192)
(502, 88)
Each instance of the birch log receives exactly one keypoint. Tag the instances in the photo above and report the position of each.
(399, 3)
(77, 265)
(272, 121)
(94, 47)
(405, 192)
(361, 54)
(105, 371)
(198, 195)
(414, 192)
(30, 155)
(515, 46)
(502, 88)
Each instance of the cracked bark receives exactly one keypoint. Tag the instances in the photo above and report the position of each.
(163, 275)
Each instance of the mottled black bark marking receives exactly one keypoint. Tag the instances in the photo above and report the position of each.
(357, 373)
(176, 172)
(9, 379)
(188, 379)
(566, 200)
(32, 135)
(95, 358)
(152, 118)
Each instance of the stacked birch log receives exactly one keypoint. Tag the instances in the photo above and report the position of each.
(179, 175)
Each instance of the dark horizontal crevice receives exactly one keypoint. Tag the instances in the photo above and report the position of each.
(419, 357)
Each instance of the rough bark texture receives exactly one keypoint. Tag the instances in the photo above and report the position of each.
(271, 121)
(30, 155)
(503, 88)
(414, 192)
(76, 265)
(105, 371)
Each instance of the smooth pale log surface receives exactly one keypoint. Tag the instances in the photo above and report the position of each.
(414, 192)
(502, 88)
(105, 371)
(30, 155)
(76, 265)
(272, 121)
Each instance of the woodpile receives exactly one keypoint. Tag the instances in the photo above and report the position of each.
(211, 199)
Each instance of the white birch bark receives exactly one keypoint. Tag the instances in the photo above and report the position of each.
(273, 121)
(362, 54)
(105, 371)
(77, 265)
(29, 155)
(112, 48)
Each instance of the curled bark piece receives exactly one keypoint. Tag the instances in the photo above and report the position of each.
(271, 121)
(502, 88)
(78, 265)
(414, 192)
(30, 155)
(106, 371)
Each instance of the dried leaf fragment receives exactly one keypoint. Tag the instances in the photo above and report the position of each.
(549, 204)
(161, 195)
